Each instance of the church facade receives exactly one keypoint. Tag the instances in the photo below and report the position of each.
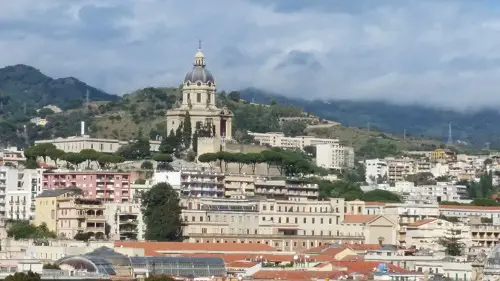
(198, 99)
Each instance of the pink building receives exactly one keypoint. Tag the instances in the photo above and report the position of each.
(107, 186)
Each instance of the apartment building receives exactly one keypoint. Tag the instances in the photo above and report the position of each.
(239, 184)
(398, 169)
(277, 139)
(67, 212)
(375, 170)
(286, 189)
(125, 221)
(197, 183)
(108, 186)
(284, 224)
(334, 156)
(11, 156)
(18, 190)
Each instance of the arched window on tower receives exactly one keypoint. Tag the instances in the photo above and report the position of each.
(198, 97)
(208, 99)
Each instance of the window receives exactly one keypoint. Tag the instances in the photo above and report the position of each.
(305, 220)
(198, 97)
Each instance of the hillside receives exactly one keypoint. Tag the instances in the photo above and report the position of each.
(24, 89)
(474, 128)
(143, 112)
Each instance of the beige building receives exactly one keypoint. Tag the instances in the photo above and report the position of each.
(77, 143)
(67, 213)
(198, 99)
(277, 139)
(288, 225)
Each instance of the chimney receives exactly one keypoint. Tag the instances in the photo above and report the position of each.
(82, 128)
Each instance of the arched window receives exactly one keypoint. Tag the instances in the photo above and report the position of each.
(208, 98)
(198, 97)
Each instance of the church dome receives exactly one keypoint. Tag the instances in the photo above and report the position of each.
(199, 73)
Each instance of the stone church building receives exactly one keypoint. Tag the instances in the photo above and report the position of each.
(198, 98)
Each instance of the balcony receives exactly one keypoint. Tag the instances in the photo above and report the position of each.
(95, 229)
(95, 218)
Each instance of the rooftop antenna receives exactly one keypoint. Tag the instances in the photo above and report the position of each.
(450, 139)
(199, 44)
(24, 108)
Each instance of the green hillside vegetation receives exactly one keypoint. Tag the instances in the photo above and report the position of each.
(24, 89)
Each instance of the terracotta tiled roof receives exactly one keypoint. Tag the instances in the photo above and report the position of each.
(421, 222)
(469, 207)
(358, 218)
(241, 264)
(297, 275)
(154, 248)
(353, 258)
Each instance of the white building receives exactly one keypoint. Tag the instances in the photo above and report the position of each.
(20, 190)
(277, 139)
(334, 156)
(125, 221)
(375, 169)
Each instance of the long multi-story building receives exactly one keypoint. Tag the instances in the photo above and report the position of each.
(108, 186)
(284, 224)
(67, 213)
(334, 156)
(277, 139)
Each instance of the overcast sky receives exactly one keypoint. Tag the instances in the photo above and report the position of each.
(438, 52)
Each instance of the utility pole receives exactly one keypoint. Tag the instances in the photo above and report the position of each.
(450, 139)
(404, 134)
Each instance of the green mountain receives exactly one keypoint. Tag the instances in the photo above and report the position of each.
(24, 89)
(473, 128)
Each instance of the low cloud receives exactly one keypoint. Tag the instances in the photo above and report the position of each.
(439, 53)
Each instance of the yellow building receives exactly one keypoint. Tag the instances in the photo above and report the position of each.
(441, 154)
(67, 213)
(46, 207)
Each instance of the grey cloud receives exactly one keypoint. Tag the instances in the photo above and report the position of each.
(443, 53)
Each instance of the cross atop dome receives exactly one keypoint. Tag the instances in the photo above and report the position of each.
(199, 57)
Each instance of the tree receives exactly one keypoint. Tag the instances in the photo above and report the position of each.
(162, 213)
(147, 165)
(163, 161)
(90, 155)
(83, 236)
(379, 195)
(74, 158)
(452, 242)
(293, 128)
(41, 150)
(209, 158)
(187, 130)
(21, 276)
(195, 142)
(254, 159)
(241, 159)
(271, 158)
(55, 154)
(44, 112)
(310, 150)
(25, 230)
(169, 144)
(234, 96)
